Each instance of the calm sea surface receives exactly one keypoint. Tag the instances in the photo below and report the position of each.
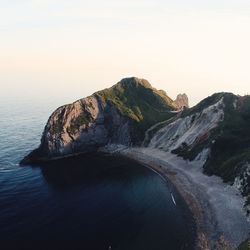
(89, 202)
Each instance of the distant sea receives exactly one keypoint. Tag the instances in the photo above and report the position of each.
(89, 202)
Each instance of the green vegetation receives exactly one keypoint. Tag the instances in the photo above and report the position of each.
(232, 139)
(139, 101)
(57, 127)
(245, 245)
(84, 118)
(133, 98)
(229, 142)
(204, 104)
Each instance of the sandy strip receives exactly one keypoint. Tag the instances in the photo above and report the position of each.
(216, 206)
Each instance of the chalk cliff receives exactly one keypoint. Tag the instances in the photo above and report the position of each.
(220, 126)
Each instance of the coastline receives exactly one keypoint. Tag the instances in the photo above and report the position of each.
(210, 201)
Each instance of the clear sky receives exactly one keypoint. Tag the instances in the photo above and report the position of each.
(75, 47)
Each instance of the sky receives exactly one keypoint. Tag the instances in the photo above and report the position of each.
(76, 47)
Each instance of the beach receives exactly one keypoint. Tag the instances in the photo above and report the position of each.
(216, 206)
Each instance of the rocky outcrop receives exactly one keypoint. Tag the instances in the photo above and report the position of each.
(181, 102)
(118, 115)
(84, 126)
(188, 131)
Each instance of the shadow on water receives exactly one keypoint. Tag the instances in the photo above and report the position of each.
(89, 170)
(97, 201)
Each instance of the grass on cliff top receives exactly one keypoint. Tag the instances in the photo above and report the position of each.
(139, 101)
(134, 98)
(204, 104)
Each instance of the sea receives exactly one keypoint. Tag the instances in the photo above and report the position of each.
(93, 201)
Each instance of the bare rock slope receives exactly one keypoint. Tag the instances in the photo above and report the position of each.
(219, 125)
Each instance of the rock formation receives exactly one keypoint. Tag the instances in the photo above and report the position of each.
(220, 125)
(120, 115)
(181, 102)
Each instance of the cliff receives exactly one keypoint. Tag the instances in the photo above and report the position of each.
(120, 114)
(181, 102)
(219, 129)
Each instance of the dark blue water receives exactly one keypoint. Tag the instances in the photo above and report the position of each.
(88, 202)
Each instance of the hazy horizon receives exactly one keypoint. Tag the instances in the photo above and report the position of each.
(74, 48)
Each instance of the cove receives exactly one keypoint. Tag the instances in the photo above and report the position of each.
(93, 202)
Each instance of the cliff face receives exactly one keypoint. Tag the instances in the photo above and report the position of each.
(181, 102)
(120, 114)
(84, 126)
(219, 129)
(187, 131)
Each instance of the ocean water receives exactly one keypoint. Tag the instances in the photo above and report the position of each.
(89, 202)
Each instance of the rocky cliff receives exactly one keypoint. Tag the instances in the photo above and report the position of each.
(181, 102)
(120, 114)
(218, 128)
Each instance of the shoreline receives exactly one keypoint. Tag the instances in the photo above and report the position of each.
(212, 225)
